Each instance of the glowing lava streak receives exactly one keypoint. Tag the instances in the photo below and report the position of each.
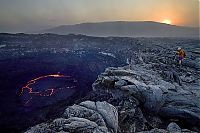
(47, 92)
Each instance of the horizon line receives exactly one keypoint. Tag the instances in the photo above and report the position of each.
(93, 22)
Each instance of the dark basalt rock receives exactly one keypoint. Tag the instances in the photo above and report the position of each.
(154, 93)
(166, 99)
(87, 117)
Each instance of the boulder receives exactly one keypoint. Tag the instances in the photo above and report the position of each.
(169, 100)
(174, 128)
(86, 117)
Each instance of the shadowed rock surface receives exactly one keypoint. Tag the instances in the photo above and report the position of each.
(150, 93)
(153, 93)
(143, 100)
(87, 117)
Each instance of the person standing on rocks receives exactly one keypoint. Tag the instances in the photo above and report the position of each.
(181, 55)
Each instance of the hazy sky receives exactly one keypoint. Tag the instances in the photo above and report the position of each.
(30, 15)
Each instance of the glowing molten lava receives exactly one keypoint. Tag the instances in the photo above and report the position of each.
(47, 91)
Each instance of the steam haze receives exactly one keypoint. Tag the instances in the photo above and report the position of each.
(32, 15)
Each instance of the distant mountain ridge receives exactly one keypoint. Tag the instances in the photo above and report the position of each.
(126, 29)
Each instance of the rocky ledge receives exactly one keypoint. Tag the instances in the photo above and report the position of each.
(145, 101)
(88, 116)
(129, 101)
(152, 95)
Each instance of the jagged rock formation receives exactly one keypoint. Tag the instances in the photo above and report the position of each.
(143, 102)
(155, 92)
(146, 89)
(87, 117)
(152, 95)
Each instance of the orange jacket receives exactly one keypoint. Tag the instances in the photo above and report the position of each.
(181, 53)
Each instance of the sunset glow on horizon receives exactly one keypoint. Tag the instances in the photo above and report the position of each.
(167, 21)
(29, 15)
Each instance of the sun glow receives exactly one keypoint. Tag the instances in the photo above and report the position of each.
(167, 21)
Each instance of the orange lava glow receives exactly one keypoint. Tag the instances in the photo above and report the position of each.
(48, 92)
